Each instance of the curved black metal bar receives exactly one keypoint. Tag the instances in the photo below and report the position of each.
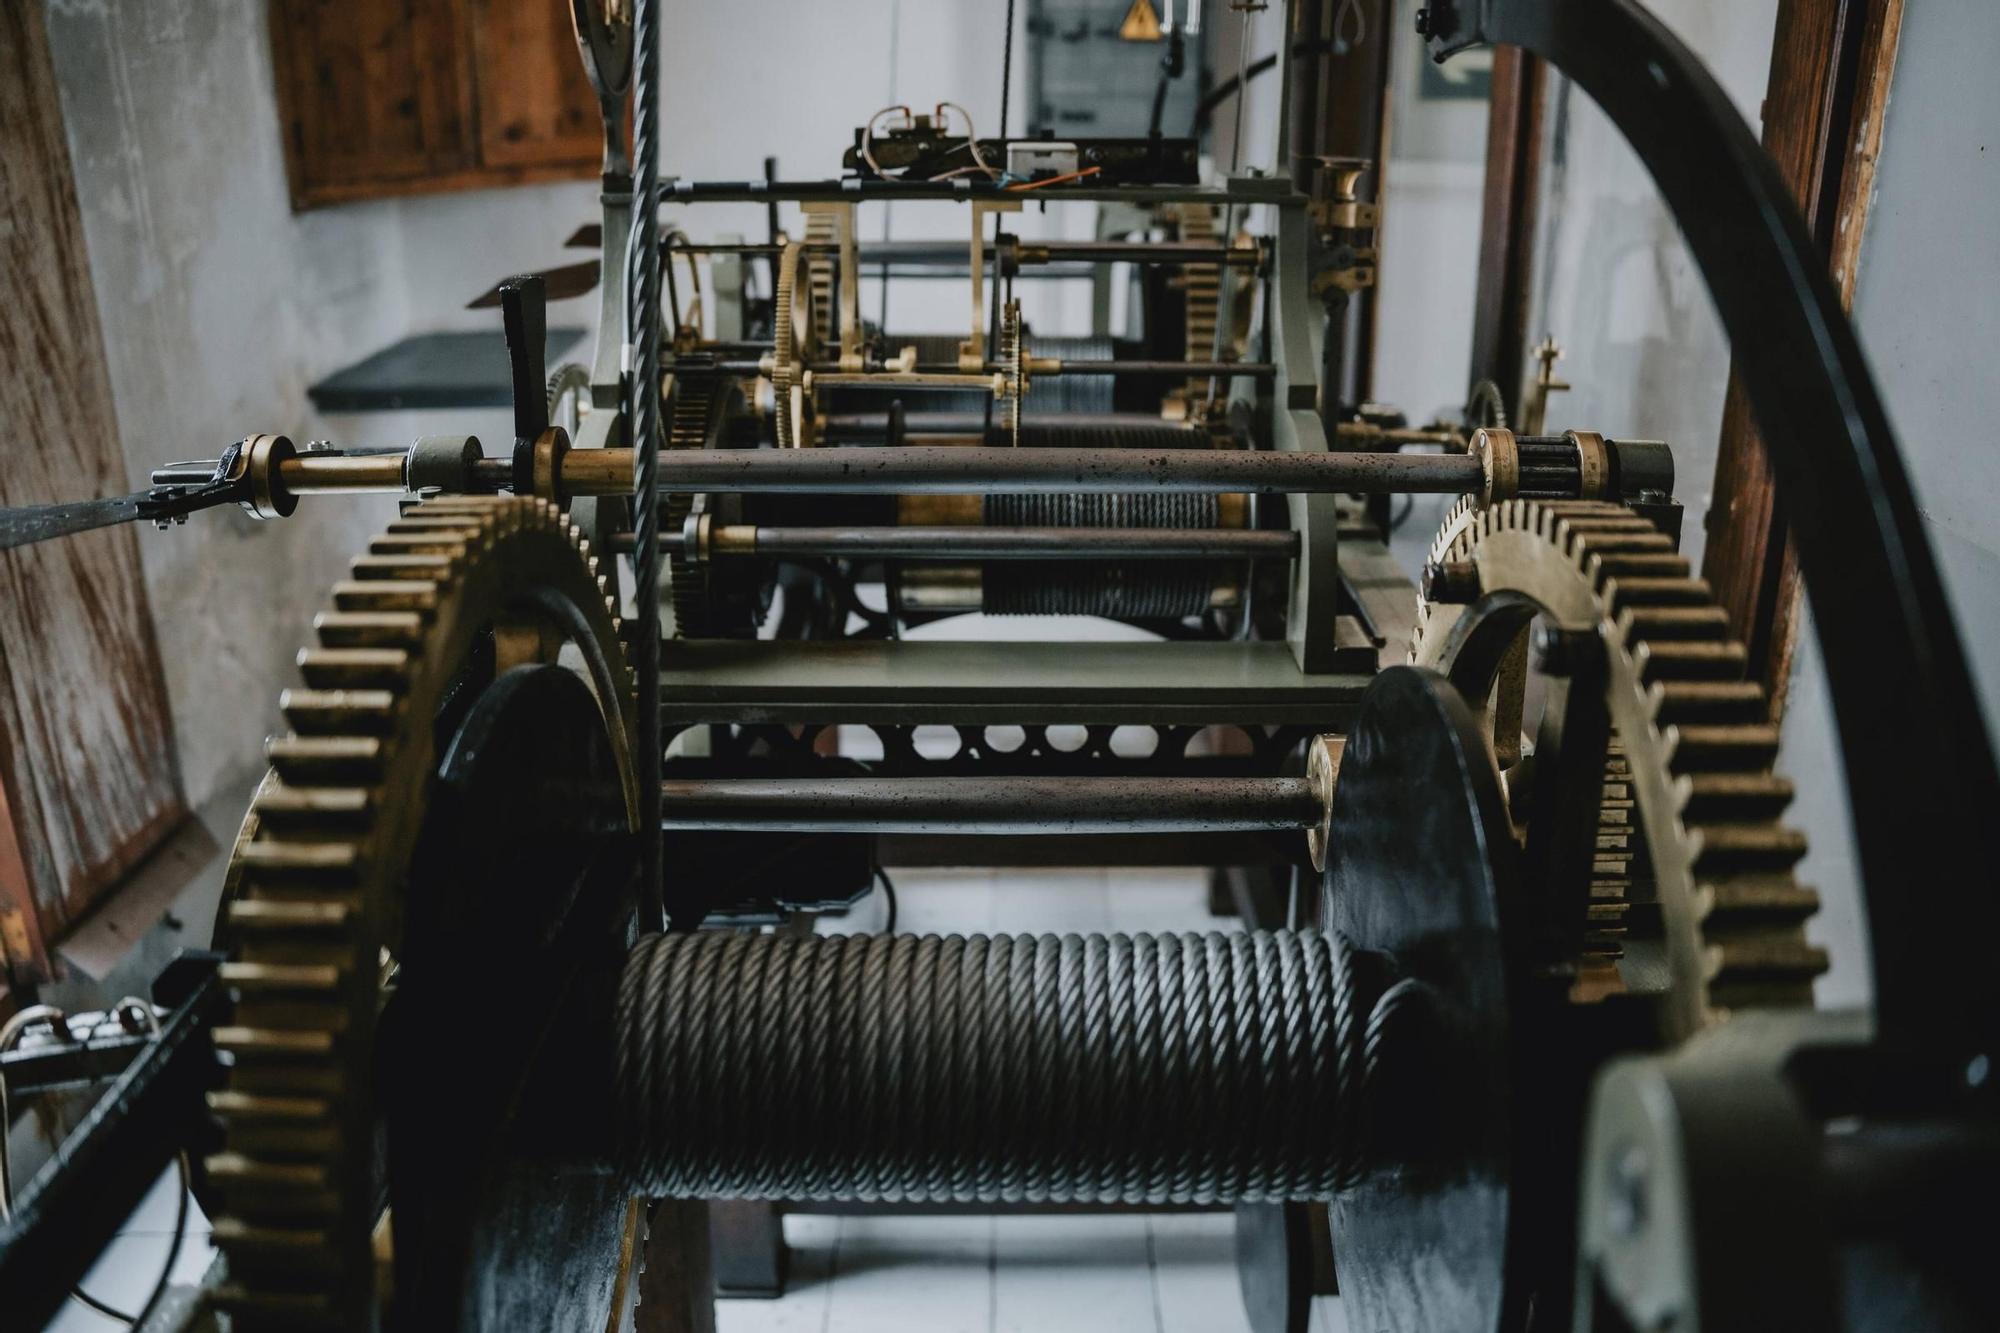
(1920, 767)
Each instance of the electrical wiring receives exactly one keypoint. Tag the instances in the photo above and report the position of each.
(888, 898)
(971, 137)
(1056, 180)
(980, 166)
(868, 136)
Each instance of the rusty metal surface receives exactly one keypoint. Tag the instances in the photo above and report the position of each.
(916, 469)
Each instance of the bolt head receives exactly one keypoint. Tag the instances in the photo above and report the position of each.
(1557, 651)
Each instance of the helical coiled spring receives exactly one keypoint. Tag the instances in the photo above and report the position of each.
(1135, 590)
(1214, 1068)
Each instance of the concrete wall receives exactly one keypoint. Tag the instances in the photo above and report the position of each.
(220, 305)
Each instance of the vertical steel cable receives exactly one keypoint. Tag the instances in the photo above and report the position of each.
(642, 340)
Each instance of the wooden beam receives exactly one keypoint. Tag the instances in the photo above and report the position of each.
(1831, 64)
(88, 777)
(1507, 224)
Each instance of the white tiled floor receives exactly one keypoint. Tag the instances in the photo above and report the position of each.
(1167, 1273)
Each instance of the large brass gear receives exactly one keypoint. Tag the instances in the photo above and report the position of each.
(1202, 293)
(1013, 368)
(689, 420)
(795, 341)
(313, 903)
(1691, 757)
(822, 277)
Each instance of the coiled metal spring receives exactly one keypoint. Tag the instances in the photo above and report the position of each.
(1121, 1069)
(1139, 590)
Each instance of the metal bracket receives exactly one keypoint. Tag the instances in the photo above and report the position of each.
(972, 352)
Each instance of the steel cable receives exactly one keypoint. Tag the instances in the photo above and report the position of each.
(642, 340)
(1116, 1069)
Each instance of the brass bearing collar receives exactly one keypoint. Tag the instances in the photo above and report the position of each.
(263, 456)
(1499, 463)
(1593, 464)
(545, 465)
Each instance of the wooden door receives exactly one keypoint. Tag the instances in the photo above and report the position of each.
(88, 778)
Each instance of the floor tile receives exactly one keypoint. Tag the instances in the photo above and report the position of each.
(1072, 1272)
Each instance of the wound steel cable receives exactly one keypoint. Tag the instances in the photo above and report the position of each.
(1109, 1068)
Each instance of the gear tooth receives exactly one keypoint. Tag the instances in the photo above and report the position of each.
(339, 712)
(1674, 622)
(1624, 593)
(319, 760)
(275, 1043)
(1736, 749)
(1771, 898)
(400, 595)
(253, 1244)
(1603, 568)
(1685, 660)
(1736, 848)
(424, 522)
(255, 1310)
(447, 545)
(1708, 702)
(284, 808)
(353, 668)
(312, 979)
(369, 629)
(436, 568)
(271, 862)
(321, 916)
(1735, 796)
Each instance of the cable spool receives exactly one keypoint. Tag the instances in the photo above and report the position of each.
(1120, 1069)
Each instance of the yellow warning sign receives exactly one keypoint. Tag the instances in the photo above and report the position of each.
(1142, 23)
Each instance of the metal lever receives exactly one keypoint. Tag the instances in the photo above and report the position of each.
(224, 481)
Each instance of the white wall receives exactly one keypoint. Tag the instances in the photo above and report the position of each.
(1925, 305)
(1615, 282)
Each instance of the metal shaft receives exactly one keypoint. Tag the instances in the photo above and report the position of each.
(989, 805)
(949, 469)
(983, 543)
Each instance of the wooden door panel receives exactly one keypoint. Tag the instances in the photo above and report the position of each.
(89, 782)
(372, 91)
(536, 107)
